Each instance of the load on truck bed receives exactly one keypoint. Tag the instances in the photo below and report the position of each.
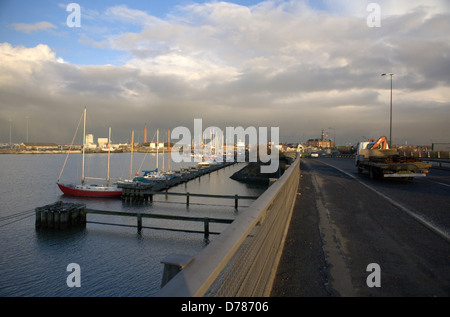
(381, 162)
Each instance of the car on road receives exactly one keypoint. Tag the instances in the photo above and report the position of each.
(314, 154)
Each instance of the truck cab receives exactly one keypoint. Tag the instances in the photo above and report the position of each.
(360, 146)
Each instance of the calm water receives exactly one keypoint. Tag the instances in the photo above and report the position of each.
(114, 261)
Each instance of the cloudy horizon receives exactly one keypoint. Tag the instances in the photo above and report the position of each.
(302, 66)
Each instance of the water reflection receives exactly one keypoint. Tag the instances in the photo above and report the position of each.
(114, 261)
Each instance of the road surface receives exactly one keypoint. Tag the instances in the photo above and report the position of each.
(352, 236)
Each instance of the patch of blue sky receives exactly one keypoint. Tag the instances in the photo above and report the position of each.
(29, 23)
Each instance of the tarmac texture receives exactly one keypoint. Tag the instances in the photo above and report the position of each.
(340, 229)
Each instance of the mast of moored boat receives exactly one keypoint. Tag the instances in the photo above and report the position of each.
(109, 154)
(84, 145)
(157, 148)
(131, 159)
(163, 156)
(168, 148)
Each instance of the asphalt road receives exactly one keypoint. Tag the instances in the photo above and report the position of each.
(352, 236)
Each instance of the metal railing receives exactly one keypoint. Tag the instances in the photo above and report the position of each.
(242, 261)
(425, 155)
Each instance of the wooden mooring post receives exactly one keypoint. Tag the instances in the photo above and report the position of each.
(139, 223)
(60, 216)
(206, 228)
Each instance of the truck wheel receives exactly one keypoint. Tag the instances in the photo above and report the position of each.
(358, 168)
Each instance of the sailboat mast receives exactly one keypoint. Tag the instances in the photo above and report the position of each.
(168, 148)
(131, 159)
(109, 154)
(157, 148)
(84, 146)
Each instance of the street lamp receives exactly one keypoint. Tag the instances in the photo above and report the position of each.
(10, 126)
(334, 136)
(27, 117)
(390, 128)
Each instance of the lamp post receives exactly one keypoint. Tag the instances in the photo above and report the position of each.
(390, 128)
(27, 117)
(10, 128)
(334, 136)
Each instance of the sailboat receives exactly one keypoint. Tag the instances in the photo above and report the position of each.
(152, 176)
(91, 190)
(213, 159)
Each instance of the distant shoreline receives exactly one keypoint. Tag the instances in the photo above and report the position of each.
(77, 151)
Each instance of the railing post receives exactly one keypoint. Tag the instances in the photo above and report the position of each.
(187, 199)
(206, 226)
(139, 223)
(235, 201)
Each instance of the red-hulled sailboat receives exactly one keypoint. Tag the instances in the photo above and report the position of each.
(90, 190)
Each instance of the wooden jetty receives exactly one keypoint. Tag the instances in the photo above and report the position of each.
(61, 215)
(139, 216)
(140, 191)
(147, 195)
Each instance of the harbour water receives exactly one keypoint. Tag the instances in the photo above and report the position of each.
(113, 260)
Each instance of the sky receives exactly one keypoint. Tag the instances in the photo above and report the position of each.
(298, 65)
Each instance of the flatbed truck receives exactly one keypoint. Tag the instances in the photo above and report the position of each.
(382, 162)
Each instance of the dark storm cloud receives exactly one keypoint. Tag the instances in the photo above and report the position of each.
(298, 69)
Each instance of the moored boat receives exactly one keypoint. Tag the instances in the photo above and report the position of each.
(90, 190)
(150, 176)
